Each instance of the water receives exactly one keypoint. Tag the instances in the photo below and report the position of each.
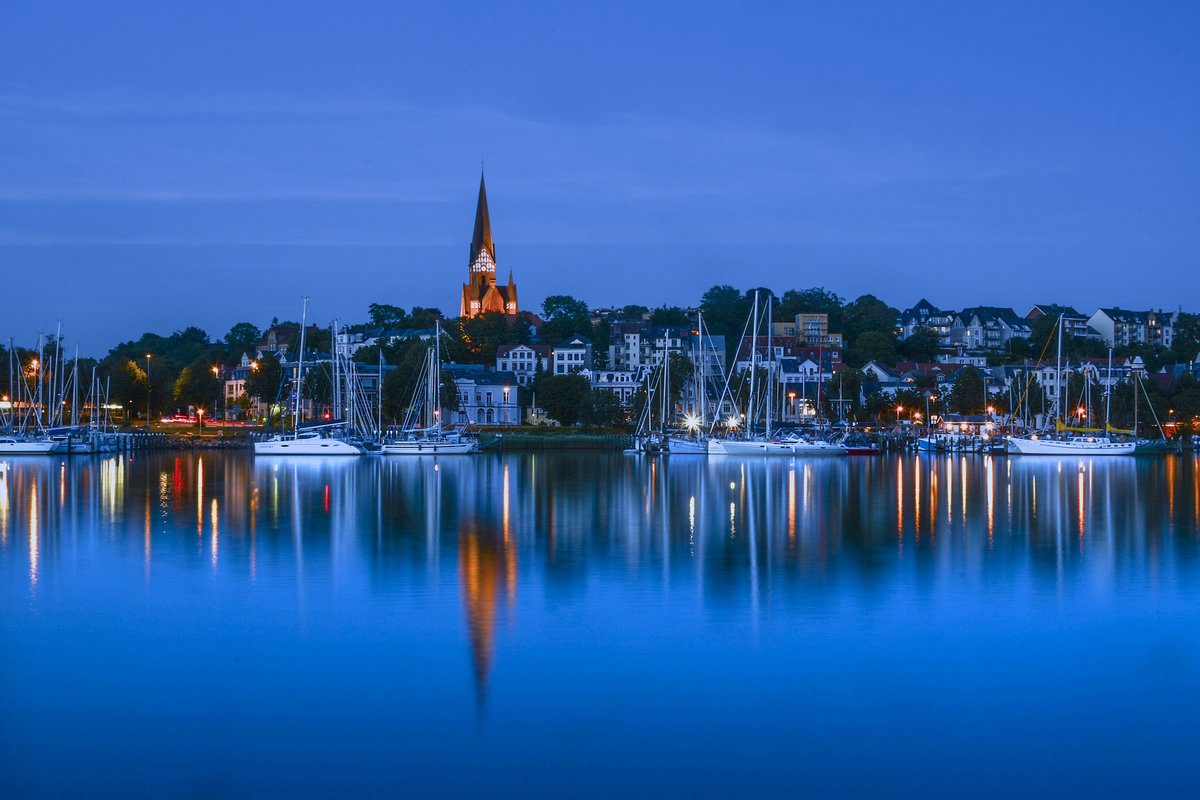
(578, 624)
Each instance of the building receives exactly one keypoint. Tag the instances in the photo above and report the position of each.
(481, 293)
(573, 355)
(810, 330)
(1119, 327)
(926, 315)
(523, 360)
(1074, 323)
(987, 328)
(485, 397)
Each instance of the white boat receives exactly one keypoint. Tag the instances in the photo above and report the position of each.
(790, 446)
(1074, 446)
(22, 446)
(307, 443)
(686, 445)
(314, 439)
(430, 446)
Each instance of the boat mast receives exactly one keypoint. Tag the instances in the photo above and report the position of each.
(1059, 389)
(1108, 393)
(770, 362)
(300, 367)
(750, 409)
(703, 360)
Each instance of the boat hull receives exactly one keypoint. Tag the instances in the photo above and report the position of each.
(20, 447)
(306, 447)
(752, 447)
(1066, 447)
(429, 448)
(680, 446)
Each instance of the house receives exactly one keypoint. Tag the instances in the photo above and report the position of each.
(485, 396)
(523, 360)
(987, 328)
(573, 355)
(1119, 327)
(810, 330)
(1074, 323)
(926, 315)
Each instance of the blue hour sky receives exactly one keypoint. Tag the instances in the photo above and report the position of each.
(171, 164)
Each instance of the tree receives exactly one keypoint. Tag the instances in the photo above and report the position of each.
(966, 396)
(634, 312)
(922, 345)
(387, 316)
(725, 312)
(868, 313)
(601, 333)
(563, 396)
(564, 317)
(603, 409)
(241, 339)
(318, 385)
(1186, 343)
(873, 346)
(265, 381)
(196, 386)
(672, 316)
(813, 301)
(482, 335)
(127, 384)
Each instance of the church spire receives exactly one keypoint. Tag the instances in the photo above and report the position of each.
(482, 239)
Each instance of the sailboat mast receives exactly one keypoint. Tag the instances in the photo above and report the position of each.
(703, 361)
(1060, 390)
(1108, 392)
(300, 367)
(750, 410)
(75, 389)
(770, 362)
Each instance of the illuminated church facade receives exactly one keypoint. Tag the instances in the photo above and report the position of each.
(481, 293)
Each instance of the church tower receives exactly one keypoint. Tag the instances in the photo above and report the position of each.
(481, 293)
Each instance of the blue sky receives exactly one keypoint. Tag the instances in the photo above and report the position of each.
(163, 165)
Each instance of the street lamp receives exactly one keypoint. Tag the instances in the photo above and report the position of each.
(899, 411)
(506, 414)
(792, 403)
(217, 376)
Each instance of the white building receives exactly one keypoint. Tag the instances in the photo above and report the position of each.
(523, 360)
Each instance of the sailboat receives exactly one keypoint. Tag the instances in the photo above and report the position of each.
(427, 437)
(312, 439)
(1067, 440)
(764, 443)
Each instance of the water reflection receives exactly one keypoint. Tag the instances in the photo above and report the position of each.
(749, 536)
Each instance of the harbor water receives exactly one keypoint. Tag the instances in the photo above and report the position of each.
(568, 624)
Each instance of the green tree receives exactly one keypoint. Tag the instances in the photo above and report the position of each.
(564, 316)
(1186, 344)
(868, 313)
(196, 386)
(482, 335)
(603, 409)
(872, 346)
(634, 312)
(818, 300)
(386, 316)
(265, 381)
(601, 333)
(967, 394)
(921, 345)
(672, 316)
(563, 397)
(241, 339)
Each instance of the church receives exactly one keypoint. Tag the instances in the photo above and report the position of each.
(481, 293)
